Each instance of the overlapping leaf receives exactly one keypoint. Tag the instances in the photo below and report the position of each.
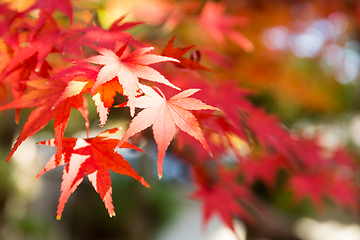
(94, 157)
(224, 196)
(45, 98)
(128, 70)
(41, 44)
(51, 5)
(102, 37)
(178, 53)
(104, 98)
(221, 26)
(165, 115)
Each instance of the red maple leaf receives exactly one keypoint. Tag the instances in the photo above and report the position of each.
(221, 26)
(128, 69)
(23, 61)
(178, 53)
(103, 96)
(311, 186)
(226, 198)
(51, 100)
(265, 168)
(51, 5)
(268, 131)
(345, 193)
(221, 201)
(165, 115)
(10, 22)
(94, 157)
(41, 43)
(102, 37)
(19, 77)
(325, 177)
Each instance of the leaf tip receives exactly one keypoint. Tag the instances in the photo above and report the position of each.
(145, 184)
(58, 217)
(112, 214)
(116, 148)
(160, 176)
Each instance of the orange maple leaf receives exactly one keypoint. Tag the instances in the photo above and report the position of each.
(104, 98)
(94, 157)
(165, 115)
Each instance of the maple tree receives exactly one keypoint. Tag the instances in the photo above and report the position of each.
(53, 65)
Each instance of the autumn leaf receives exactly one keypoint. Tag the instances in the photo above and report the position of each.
(165, 115)
(311, 186)
(266, 168)
(345, 193)
(102, 37)
(221, 26)
(23, 62)
(128, 69)
(41, 44)
(9, 22)
(220, 201)
(93, 157)
(178, 53)
(19, 77)
(85, 75)
(104, 98)
(51, 5)
(45, 98)
(268, 131)
(224, 196)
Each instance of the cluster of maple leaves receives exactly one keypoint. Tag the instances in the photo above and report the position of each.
(105, 62)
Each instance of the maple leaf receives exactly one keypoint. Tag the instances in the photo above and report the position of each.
(10, 21)
(268, 131)
(51, 5)
(317, 183)
(221, 201)
(94, 157)
(104, 98)
(45, 98)
(307, 152)
(85, 74)
(228, 97)
(165, 115)
(178, 53)
(225, 197)
(19, 77)
(219, 25)
(223, 94)
(128, 69)
(311, 186)
(265, 168)
(345, 193)
(41, 44)
(102, 37)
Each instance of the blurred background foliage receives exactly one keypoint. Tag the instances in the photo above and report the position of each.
(300, 59)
